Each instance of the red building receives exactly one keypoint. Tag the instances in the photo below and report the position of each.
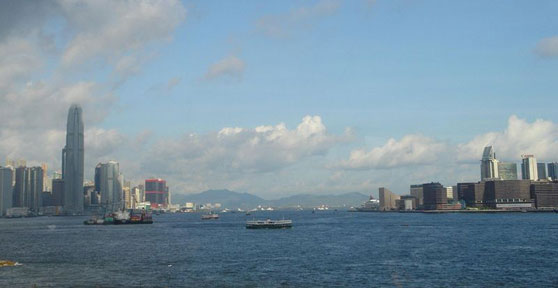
(157, 192)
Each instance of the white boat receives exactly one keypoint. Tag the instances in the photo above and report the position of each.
(269, 224)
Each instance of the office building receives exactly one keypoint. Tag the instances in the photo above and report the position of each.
(72, 162)
(6, 189)
(471, 193)
(529, 167)
(58, 192)
(406, 203)
(34, 199)
(553, 170)
(435, 197)
(541, 171)
(156, 192)
(507, 171)
(387, 199)
(449, 192)
(20, 186)
(110, 185)
(545, 194)
(508, 194)
(416, 191)
(489, 164)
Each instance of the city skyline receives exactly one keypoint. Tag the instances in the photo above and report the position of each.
(264, 104)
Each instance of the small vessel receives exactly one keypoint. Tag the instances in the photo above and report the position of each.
(211, 216)
(269, 224)
(7, 263)
(132, 216)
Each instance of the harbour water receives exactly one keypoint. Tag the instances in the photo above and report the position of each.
(327, 248)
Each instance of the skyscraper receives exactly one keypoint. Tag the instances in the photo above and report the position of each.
(72, 162)
(507, 171)
(6, 189)
(529, 167)
(541, 171)
(489, 164)
(553, 170)
(156, 192)
(108, 180)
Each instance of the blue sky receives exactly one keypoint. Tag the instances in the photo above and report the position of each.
(439, 78)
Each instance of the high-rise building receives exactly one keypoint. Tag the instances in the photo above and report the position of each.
(449, 192)
(507, 170)
(553, 170)
(156, 192)
(72, 162)
(21, 186)
(110, 185)
(435, 196)
(489, 164)
(529, 167)
(28, 188)
(416, 191)
(58, 196)
(541, 171)
(6, 189)
(387, 199)
(35, 190)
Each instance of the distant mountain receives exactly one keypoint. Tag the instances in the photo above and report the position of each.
(233, 200)
(227, 198)
(306, 200)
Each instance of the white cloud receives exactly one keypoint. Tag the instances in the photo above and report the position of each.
(281, 25)
(547, 47)
(111, 28)
(231, 66)
(235, 153)
(520, 137)
(410, 150)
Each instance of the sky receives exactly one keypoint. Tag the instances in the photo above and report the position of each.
(277, 98)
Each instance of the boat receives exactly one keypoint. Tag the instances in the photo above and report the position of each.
(372, 205)
(132, 216)
(211, 216)
(7, 263)
(269, 224)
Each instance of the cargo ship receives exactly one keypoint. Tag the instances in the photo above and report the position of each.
(132, 216)
(269, 224)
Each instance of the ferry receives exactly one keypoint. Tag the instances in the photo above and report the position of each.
(269, 224)
(211, 216)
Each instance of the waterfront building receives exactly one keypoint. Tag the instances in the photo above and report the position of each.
(387, 199)
(20, 186)
(472, 193)
(416, 191)
(541, 171)
(156, 192)
(489, 164)
(110, 185)
(35, 189)
(28, 188)
(72, 162)
(89, 194)
(553, 170)
(406, 203)
(545, 194)
(58, 192)
(435, 197)
(6, 189)
(449, 192)
(127, 197)
(507, 194)
(507, 170)
(529, 167)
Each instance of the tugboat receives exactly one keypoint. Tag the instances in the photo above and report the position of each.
(269, 224)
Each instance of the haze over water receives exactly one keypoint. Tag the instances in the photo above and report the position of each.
(322, 249)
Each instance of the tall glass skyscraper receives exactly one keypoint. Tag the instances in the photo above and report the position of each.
(109, 181)
(72, 162)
